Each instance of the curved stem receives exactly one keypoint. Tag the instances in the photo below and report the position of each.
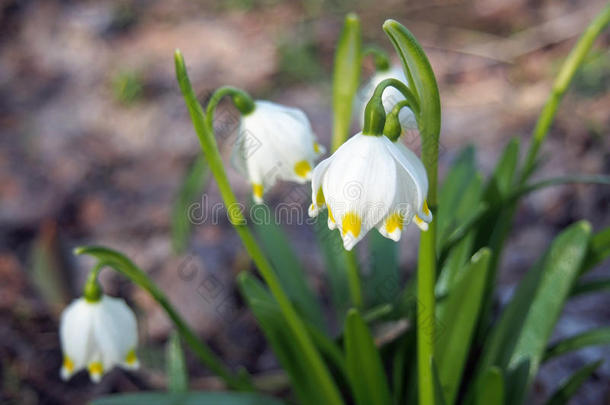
(93, 291)
(210, 149)
(393, 128)
(126, 267)
(374, 113)
(563, 80)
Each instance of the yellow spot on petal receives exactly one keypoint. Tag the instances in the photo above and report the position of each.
(316, 147)
(68, 364)
(330, 215)
(95, 368)
(351, 223)
(423, 225)
(302, 168)
(131, 357)
(425, 208)
(320, 197)
(257, 190)
(393, 222)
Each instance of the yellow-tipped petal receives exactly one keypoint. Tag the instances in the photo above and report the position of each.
(394, 222)
(351, 223)
(257, 190)
(131, 358)
(421, 224)
(302, 168)
(425, 208)
(96, 369)
(316, 147)
(320, 197)
(330, 215)
(67, 368)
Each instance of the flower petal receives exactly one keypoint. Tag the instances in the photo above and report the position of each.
(76, 336)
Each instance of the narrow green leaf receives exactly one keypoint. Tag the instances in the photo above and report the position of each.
(599, 250)
(332, 251)
(281, 339)
(456, 326)
(594, 337)
(381, 286)
(346, 77)
(590, 286)
(192, 185)
(491, 388)
(501, 182)
(528, 321)
(559, 274)
(364, 367)
(187, 398)
(287, 266)
(439, 395)
(541, 290)
(177, 374)
(571, 385)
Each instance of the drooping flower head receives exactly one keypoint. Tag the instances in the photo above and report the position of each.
(97, 335)
(275, 142)
(371, 182)
(390, 97)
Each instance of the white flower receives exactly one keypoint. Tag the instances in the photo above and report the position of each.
(371, 182)
(389, 98)
(97, 336)
(274, 142)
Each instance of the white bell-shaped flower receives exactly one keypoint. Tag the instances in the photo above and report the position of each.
(371, 182)
(97, 335)
(274, 142)
(389, 98)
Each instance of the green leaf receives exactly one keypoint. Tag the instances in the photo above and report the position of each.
(599, 250)
(382, 284)
(501, 182)
(491, 388)
(194, 182)
(346, 77)
(439, 395)
(458, 321)
(287, 266)
(332, 251)
(282, 340)
(187, 398)
(594, 337)
(590, 286)
(364, 367)
(528, 321)
(458, 195)
(571, 385)
(177, 374)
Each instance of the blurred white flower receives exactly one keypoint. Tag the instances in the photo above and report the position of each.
(371, 182)
(97, 336)
(274, 142)
(389, 98)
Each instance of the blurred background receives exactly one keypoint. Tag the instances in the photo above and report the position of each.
(96, 141)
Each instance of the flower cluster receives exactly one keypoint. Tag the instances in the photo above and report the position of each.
(368, 182)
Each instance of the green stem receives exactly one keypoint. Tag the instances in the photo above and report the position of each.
(93, 291)
(562, 82)
(426, 313)
(203, 127)
(353, 278)
(392, 128)
(374, 112)
(123, 265)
